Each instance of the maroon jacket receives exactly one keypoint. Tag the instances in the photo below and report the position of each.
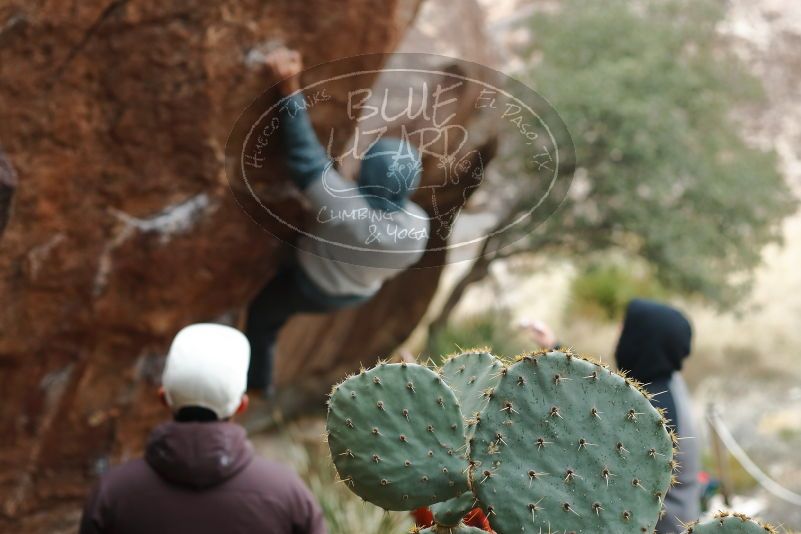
(201, 478)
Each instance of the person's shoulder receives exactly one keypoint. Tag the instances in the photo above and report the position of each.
(272, 476)
(131, 467)
(125, 475)
(263, 466)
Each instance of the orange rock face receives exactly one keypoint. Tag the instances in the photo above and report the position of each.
(115, 116)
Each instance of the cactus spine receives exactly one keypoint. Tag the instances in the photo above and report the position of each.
(726, 523)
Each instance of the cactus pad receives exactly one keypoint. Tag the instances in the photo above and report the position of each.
(565, 445)
(725, 523)
(451, 512)
(459, 529)
(469, 375)
(395, 434)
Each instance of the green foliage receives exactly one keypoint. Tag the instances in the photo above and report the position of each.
(604, 291)
(649, 91)
(741, 482)
(569, 444)
(495, 331)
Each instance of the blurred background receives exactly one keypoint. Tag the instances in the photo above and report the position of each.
(686, 118)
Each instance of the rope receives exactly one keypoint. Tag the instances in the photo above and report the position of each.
(753, 469)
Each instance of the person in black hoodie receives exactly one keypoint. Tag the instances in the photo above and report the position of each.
(654, 342)
(199, 474)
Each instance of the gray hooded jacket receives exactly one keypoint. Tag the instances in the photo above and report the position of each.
(365, 233)
(652, 347)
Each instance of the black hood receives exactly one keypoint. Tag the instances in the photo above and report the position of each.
(198, 455)
(655, 341)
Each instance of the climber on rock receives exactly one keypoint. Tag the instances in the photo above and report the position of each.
(363, 233)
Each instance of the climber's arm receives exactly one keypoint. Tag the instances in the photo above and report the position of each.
(305, 157)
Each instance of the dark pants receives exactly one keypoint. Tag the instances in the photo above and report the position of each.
(281, 298)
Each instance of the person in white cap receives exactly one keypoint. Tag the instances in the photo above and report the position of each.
(199, 473)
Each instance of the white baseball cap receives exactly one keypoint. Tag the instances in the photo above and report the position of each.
(207, 366)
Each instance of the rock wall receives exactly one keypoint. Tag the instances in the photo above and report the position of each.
(115, 116)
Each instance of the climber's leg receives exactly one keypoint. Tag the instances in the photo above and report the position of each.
(288, 293)
(268, 312)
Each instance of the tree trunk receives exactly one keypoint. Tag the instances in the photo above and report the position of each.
(477, 272)
(491, 251)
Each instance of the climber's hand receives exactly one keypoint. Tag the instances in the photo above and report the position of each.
(543, 335)
(406, 356)
(284, 65)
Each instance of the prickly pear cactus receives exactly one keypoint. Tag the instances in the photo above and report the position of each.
(725, 523)
(459, 529)
(469, 375)
(395, 434)
(451, 512)
(567, 445)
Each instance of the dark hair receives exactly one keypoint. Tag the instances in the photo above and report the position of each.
(195, 414)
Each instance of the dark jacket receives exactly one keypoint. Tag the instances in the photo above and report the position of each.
(390, 169)
(201, 478)
(653, 345)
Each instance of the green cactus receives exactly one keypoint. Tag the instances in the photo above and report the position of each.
(396, 436)
(567, 445)
(451, 512)
(458, 529)
(556, 442)
(469, 375)
(725, 523)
